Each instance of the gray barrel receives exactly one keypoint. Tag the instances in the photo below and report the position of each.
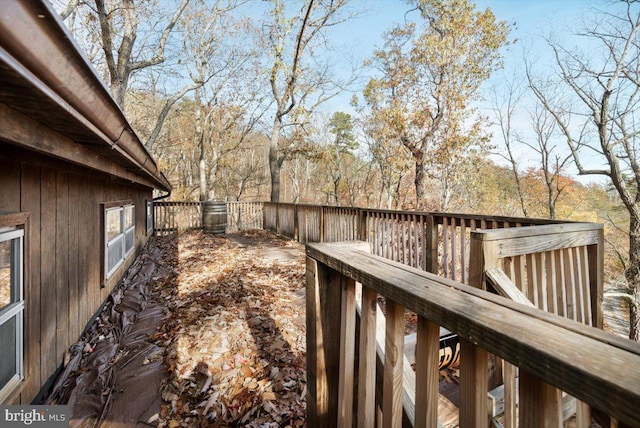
(214, 217)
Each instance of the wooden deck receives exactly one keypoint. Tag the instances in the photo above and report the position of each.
(227, 349)
(232, 338)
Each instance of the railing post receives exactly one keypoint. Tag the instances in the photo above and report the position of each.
(347, 353)
(474, 364)
(483, 255)
(427, 360)
(324, 294)
(393, 361)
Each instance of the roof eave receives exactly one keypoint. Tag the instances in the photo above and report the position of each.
(35, 44)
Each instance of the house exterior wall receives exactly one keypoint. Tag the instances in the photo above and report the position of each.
(64, 282)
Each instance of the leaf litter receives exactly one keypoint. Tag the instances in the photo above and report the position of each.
(234, 335)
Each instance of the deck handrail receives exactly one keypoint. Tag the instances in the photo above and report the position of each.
(432, 241)
(556, 268)
(547, 348)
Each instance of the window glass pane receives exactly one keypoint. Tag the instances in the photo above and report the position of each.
(129, 241)
(8, 368)
(114, 254)
(149, 215)
(6, 276)
(113, 223)
(128, 216)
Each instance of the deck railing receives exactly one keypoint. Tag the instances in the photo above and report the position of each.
(550, 351)
(554, 266)
(178, 216)
(435, 242)
(244, 215)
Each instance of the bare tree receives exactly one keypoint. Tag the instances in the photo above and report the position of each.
(553, 163)
(504, 109)
(597, 115)
(229, 103)
(119, 21)
(293, 82)
(133, 37)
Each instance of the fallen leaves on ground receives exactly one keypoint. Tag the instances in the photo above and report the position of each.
(235, 332)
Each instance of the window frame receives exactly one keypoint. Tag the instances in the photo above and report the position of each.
(120, 239)
(15, 309)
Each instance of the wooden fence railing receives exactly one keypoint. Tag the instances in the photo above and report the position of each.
(597, 368)
(435, 242)
(555, 268)
(177, 216)
(244, 215)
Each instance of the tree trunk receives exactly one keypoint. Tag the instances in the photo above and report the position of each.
(202, 164)
(274, 164)
(419, 182)
(632, 275)
(203, 179)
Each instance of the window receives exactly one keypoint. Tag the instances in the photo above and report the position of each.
(120, 236)
(11, 309)
(149, 217)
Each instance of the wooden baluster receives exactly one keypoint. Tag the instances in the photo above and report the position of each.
(445, 246)
(393, 359)
(367, 364)
(540, 403)
(583, 415)
(403, 224)
(541, 281)
(431, 245)
(427, 374)
(585, 286)
(553, 287)
(578, 266)
(347, 353)
(463, 252)
(571, 311)
(454, 252)
(474, 367)
(510, 392)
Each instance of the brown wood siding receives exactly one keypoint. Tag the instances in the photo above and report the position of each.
(63, 255)
(30, 202)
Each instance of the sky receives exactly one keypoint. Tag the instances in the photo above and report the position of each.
(531, 18)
